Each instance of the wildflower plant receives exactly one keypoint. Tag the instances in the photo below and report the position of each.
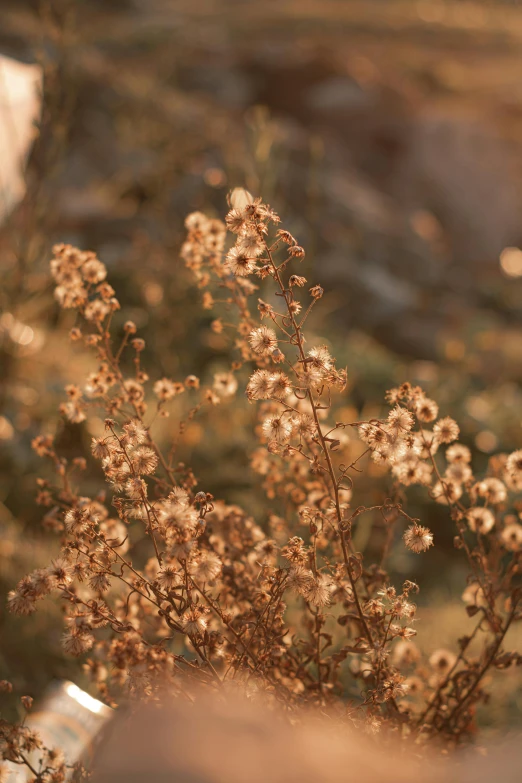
(164, 585)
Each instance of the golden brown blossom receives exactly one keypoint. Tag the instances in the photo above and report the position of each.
(263, 340)
(418, 538)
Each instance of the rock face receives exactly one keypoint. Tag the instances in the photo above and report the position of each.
(418, 195)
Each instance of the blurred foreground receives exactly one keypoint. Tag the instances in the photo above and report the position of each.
(235, 740)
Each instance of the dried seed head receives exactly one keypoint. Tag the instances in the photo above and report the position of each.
(418, 538)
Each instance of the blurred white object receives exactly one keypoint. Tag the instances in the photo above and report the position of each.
(239, 198)
(68, 719)
(20, 106)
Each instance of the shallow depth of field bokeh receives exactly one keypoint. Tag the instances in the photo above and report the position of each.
(386, 133)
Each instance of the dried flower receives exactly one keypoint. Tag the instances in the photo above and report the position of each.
(511, 537)
(166, 389)
(446, 430)
(263, 340)
(480, 520)
(418, 538)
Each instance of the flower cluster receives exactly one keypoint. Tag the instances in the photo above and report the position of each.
(313, 466)
(161, 580)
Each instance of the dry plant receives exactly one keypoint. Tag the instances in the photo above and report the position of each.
(164, 586)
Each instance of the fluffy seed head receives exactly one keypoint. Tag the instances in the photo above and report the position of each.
(418, 538)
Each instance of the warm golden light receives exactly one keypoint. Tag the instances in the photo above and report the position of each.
(511, 261)
(84, 699)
